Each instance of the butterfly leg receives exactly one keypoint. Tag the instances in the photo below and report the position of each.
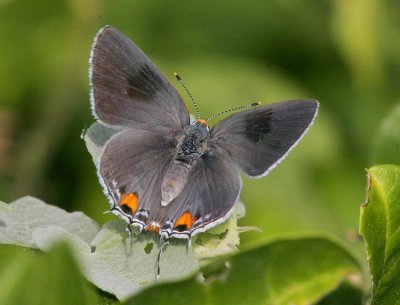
(129, 229)
(164, 241)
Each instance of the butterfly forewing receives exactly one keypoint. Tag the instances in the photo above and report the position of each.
(128, 90)
(259, 138)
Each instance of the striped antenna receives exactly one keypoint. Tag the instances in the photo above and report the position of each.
(187, 91)
(233, 109)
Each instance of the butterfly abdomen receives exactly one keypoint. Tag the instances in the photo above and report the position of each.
(174, 181)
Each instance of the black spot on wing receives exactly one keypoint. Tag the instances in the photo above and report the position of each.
(259, 125)
(144, 83)
(126, 209)
(181, 228)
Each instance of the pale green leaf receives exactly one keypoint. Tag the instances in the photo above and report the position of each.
(27, 214)
(96, 136)
(109, 258)
(118, 265)
(4, 206)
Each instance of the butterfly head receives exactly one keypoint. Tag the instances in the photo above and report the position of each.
(201, 126)
(202, 122)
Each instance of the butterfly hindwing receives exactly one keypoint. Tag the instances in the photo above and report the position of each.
(133, 163)
(259, 138)
(209, 195)
(128, 89)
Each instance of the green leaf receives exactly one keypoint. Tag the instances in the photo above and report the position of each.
(297, 271)
(4, 206)
(349, 290)
(96, 136)
(28, 213)
(108, 257)
(32, 278)
(380, 227)
(222, 239)
(119, 266)
(387, 143)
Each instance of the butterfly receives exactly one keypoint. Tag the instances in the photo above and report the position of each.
(164, 173)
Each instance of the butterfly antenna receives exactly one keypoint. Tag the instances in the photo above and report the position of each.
(233, 109)
(188, 92)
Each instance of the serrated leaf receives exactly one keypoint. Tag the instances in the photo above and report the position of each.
(380, 227)
(121, 267)
(387, 142)
(287, 271)
(33, 278)
(28, 213)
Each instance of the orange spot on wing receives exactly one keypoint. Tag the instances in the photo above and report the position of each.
(129, 200)
(203, 122)
(186, 219)
(154, 228)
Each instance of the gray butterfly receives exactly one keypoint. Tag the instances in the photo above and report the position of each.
(163, 173)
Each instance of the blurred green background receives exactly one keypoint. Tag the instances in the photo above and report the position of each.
(344, 53)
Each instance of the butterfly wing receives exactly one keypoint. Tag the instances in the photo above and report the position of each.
(259, 138)
(131, 169)
(132, 166)
(208, 198)
(127, 88)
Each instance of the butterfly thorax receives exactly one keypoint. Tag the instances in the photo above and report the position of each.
(192, 144)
